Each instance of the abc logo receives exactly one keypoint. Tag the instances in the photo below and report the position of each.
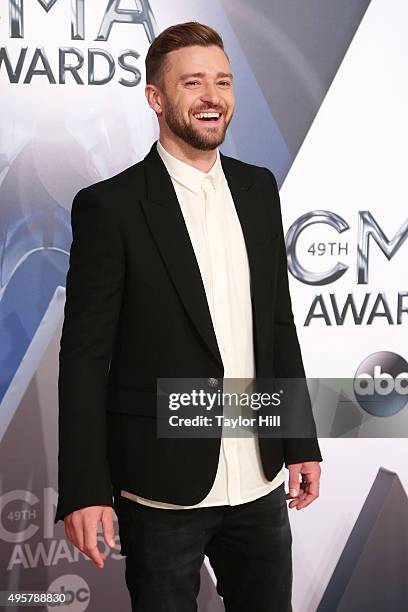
(381, 383)
(76, 591)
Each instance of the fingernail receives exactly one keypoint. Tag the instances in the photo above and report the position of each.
(111, 542)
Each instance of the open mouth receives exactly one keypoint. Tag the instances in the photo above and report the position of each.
(208, 118)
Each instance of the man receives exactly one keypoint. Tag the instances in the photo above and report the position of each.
(178, 270)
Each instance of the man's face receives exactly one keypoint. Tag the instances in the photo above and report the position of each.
(197, 79)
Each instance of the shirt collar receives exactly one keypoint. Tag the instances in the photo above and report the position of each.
(187, 175)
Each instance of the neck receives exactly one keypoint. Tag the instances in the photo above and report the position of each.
(202, 160)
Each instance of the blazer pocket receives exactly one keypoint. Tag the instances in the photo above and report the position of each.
(130, 400)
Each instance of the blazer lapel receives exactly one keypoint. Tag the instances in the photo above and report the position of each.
(166, 222)
(260, 241)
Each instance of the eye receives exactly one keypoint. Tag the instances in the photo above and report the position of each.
(191, 82)
(227, 83)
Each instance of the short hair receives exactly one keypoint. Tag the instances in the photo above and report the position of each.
(176, 37)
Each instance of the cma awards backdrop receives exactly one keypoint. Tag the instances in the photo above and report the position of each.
(321, 95)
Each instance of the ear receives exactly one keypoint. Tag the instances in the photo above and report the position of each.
(153, 98)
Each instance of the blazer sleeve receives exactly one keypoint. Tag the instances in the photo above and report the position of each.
(288, 361)
(93, 297)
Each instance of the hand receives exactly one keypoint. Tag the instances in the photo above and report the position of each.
(306, 491)
(81, 528)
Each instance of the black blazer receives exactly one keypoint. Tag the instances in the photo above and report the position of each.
(136, 310)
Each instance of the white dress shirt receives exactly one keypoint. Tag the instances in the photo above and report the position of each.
(216, 235)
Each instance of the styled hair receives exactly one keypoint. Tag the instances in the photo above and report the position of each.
(176, 37)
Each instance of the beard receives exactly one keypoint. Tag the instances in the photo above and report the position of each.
(204, 140)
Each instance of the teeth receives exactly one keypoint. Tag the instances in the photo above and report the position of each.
(207, 115)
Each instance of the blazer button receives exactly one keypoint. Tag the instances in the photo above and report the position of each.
(213, 383)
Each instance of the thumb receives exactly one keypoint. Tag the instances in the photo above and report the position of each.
(294, 472)
(108, 530)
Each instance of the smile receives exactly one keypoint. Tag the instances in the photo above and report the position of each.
(210, 118)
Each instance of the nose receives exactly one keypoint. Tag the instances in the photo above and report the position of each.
(210, 94)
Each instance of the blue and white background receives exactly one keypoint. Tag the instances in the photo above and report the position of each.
(321, 95)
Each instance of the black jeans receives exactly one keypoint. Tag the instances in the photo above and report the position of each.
(249, 547)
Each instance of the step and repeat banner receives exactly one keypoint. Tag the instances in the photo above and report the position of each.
(321, 94)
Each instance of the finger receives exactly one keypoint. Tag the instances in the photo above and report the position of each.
(313, 487)
(90, 543)
(96, 555)
(309, 487)
(305, 502)
(294, 484)
(70, 534)
(298, 499)
(107, 526)
(77, 532)
(312, 494)
(289, 496)
(309, 490)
